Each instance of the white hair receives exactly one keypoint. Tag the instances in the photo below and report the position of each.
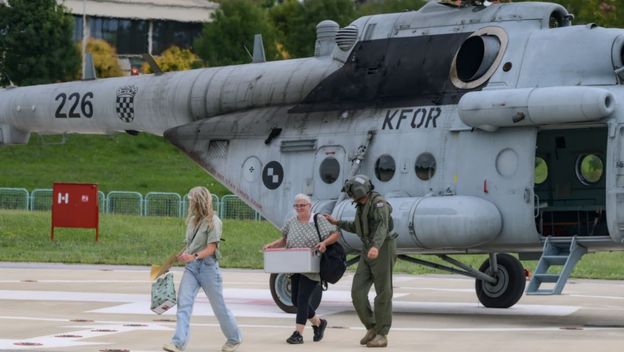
(303, 197)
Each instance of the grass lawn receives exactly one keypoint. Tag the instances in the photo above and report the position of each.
(121, 162)
(25, 236)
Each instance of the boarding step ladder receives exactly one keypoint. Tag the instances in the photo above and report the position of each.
(562, 253)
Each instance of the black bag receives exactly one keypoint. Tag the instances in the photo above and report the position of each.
(333, 261)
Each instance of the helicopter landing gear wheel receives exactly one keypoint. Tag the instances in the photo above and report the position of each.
(509, 286)
(281, 292)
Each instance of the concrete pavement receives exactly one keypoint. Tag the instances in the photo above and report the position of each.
(56, 307)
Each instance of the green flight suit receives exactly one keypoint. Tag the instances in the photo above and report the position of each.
(373, 224)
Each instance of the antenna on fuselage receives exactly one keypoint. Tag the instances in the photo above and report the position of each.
(90, 73)
(258, 50)
(152, 63)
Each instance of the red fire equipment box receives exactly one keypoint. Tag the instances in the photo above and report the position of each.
(75, 205)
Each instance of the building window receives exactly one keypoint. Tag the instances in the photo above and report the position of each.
(329, 170)
(168, 33)
(77, 29)
(384, 168)
(127, 36)
(425, 166)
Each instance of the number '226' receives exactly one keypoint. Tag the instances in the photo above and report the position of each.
(73, 100)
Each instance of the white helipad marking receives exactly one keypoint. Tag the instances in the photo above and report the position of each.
(77, 281)
(462, 290)
(259, 303)
(86, 332)
(600, 297)
(478, 309)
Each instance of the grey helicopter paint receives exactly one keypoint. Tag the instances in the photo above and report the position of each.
(448, 109)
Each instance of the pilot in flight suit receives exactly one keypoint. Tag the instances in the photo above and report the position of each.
(373, 224)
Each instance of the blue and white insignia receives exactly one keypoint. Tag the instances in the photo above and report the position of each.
(379, 205)
(125, 102)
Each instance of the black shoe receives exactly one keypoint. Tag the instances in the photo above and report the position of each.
(319, 331)
(295, 338)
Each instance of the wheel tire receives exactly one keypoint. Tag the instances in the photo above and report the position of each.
(510, 286)
(282, 293)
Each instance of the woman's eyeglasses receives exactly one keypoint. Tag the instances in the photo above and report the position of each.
(300, 205)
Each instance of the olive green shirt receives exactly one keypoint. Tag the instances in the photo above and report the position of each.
(204, 236)
(371, 221)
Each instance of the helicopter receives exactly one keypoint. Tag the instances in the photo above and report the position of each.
(491, 128)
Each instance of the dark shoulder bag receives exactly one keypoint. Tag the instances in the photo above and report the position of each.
(333, 261)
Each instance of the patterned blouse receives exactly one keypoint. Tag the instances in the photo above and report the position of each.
(300, 235)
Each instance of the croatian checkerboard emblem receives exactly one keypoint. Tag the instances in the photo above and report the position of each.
(272, 175)
(125, 102)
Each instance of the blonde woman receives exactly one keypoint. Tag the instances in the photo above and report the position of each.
(203, 233)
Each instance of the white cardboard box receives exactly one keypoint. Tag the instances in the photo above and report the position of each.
(291, 260)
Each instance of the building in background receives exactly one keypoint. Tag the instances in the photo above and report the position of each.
(135, 27)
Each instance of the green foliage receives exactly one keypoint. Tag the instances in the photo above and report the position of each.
(389, 6)
(104, 58)
(143, 163)
(296, 22)
(175, 59)
(36, 43)
(606, 13)
(229, 38)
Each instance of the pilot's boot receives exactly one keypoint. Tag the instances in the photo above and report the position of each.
(378, 341)
(370, 334)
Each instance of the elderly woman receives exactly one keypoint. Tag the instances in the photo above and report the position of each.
(201, 254)
(300, 232)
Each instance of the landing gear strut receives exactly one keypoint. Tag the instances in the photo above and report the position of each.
(499, 282)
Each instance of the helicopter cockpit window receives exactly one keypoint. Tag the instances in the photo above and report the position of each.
(589, 168)
(329, 170)
(541, 170)
(385, 167)
(425, 166)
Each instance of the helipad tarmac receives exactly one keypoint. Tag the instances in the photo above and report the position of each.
(55, 307)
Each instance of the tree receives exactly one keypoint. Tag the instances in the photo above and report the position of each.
(36, 43)
(229, 38)
(104, 58)
(607, 13)
(296, 21)
(389, 6)
(175, 59)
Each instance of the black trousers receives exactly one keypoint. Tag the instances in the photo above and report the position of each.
(303, 292)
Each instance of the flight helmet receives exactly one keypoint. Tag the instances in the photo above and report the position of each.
(358, 186)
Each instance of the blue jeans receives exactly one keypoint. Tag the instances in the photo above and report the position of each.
(205, 274)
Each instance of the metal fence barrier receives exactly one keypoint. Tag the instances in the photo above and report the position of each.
(234, 208)
(41, 199)
(130, 203)
(126, 203)
(14, 198)
(163, 204)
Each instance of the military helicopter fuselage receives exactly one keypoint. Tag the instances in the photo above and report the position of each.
(489, 129)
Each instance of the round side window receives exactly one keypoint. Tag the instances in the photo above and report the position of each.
(541, 170)
(329, 170)
(425, 166)
(589, 168)
(384, 168)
